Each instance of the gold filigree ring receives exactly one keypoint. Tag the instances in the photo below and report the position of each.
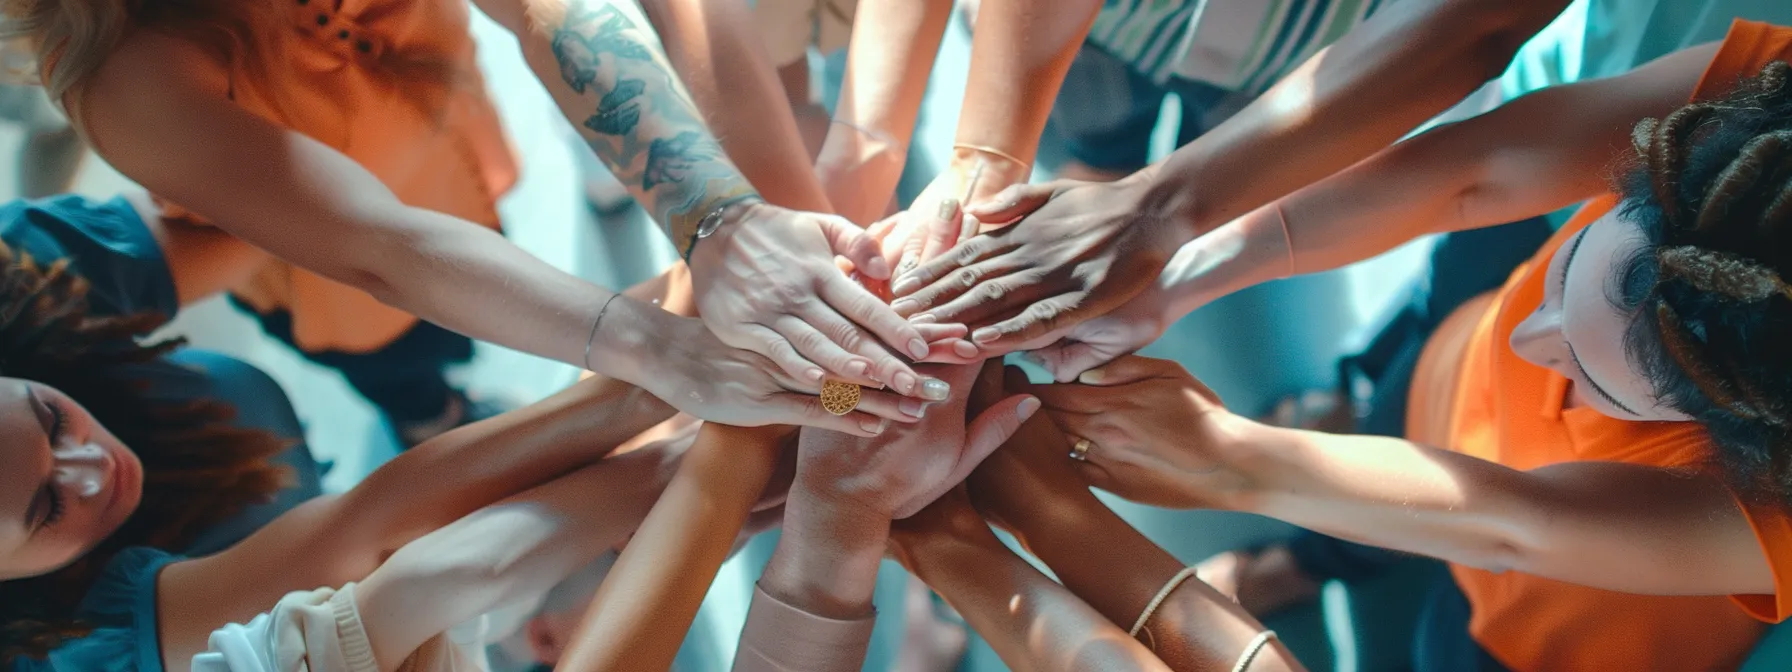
(839, 397)
(1080, 451)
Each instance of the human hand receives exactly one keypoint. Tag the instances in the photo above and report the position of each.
(1135, 324)
(894, 475)
(1157, 436)
(695, 372)
(766, 281)
(1079, 251)
(1030, 479)
(935, 221)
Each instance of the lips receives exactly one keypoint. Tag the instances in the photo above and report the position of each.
(125, 477)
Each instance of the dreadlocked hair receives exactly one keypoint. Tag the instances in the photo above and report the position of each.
(1712, 325)
(198, 469)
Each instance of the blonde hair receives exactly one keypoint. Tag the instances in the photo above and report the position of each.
(62, 43)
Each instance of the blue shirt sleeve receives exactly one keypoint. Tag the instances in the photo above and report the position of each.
(105, 242)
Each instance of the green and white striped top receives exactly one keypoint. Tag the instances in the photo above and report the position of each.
(1240, 45)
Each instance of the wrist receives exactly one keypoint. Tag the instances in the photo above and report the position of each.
(827, 557)
(1166, 202)
(1252, 460)
(622, 338)
(717, 222)
(1052, 516)
(850, 143)
(995, 169)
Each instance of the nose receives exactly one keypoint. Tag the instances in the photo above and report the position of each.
(84, 468)
(1538, 340)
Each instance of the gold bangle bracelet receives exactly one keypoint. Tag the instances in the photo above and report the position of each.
(985, 149)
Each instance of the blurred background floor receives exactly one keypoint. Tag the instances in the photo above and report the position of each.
(1252, 348)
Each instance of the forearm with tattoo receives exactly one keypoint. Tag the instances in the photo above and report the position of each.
(631, 108)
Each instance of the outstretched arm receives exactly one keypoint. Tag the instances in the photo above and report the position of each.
(1534, 155)
(1615, 526)
(894, 45)
(1407, 63)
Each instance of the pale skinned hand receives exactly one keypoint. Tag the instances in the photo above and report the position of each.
(1135, 324)
(1159, 435)
(1078, 251)
(935, 221)
(897, 474)
(767, 282)
(700, 375)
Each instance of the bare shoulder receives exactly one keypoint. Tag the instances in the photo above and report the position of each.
(150, 67)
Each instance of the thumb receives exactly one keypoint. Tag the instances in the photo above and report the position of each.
(850, 241)
(1067, 359)
(1128, 369)
(992, 428)
(943, 228)
(1012, 203)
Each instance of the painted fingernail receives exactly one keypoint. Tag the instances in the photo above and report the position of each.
(904, 383)
(923, 318)
(906, 285)
(948, 208)
(913, 408)
(1027, 408)
(878, 268)
(857, 368)
(918, 348)
(934, 389)
(986, 335)
(964, 349)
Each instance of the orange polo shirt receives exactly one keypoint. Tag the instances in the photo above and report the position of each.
(1509, 411)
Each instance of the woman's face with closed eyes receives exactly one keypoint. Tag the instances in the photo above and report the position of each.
(66, 483)
(1579, 333)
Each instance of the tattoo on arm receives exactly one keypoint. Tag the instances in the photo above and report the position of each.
(640, 121)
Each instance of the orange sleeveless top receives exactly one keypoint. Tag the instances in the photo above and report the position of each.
(1505, 410)
(350, 81)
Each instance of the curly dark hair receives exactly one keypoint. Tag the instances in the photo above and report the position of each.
(1712, 325)
(198, 468)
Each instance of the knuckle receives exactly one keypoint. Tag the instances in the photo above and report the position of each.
(967, 277)
(811, 340)
(993, 291)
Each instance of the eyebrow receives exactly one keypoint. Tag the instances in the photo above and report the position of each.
(1566, 264)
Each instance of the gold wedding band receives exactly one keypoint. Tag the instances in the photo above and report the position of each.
(1080, 451)
(839, 397)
